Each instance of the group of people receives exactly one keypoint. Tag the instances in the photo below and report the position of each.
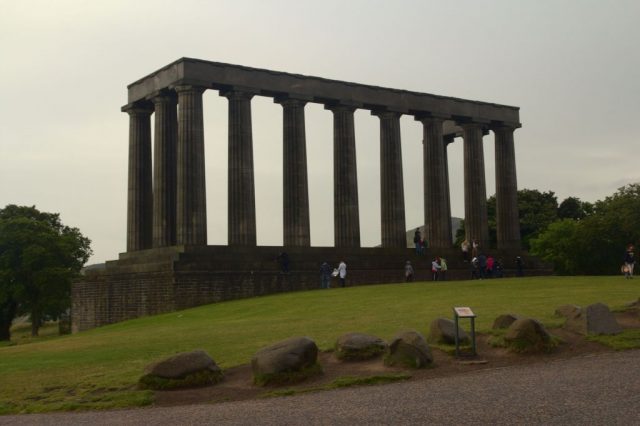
(486, 267)
(420, 242)
(326, 274)
(438, 270)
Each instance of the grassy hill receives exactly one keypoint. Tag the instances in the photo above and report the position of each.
(99, 368)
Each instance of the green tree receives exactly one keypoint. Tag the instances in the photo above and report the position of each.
(595, 244)
(574, 208)
(39, 256)
(536, 211)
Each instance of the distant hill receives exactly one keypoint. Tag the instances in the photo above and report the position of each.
(455, 225)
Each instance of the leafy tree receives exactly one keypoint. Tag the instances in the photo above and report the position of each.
(574, 208)
(595, 244)
(536, 211)
(39, 256)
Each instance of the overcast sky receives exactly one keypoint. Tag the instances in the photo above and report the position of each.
(573, 67)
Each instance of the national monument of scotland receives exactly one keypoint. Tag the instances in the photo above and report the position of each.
(168, 264)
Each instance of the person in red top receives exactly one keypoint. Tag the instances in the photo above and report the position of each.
(490, 263)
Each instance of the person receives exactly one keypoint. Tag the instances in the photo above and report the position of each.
(482, 265)
(325, 275)
(490, 266)
(283, 259)
(417, 237)
(475, 246)
(519, 266)
(474, 269)
(629, 262)
(499, 271)
(408, 272)
(465, 250)
(443, 269)
(435, 268)
(342, 273)
(423, 245)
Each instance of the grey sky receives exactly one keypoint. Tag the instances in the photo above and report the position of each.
(571, 66)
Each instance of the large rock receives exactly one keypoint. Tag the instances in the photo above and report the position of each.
(409, 348)
(286, 361)
(594, 319)
(183, 364)
(568, 311)
(359, 346)
(443, 330)
(186, 369)
(504, 321)
(528, 335)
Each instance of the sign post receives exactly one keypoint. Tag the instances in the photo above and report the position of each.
(465, 312)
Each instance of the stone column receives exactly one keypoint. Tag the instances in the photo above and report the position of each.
(242, 204)
(437, 216)
(507, 217)
(391, 182)
(448, 140)
(140, 196)
(475, 191)
(345, 178)
(164, 170)
(295, 186)
(191, 214)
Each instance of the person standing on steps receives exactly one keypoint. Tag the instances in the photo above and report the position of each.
(325, 275)
(342, 273)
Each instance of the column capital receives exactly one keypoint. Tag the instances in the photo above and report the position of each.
(340, 107)
(138, 108)
(237, 94)
(162, 96)
(290, 102)
(502, 127)
(385, 114)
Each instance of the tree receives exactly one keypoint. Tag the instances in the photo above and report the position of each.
(574, 208)
(39, 256)
(596, 243)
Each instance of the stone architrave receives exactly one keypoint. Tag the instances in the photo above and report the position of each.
(391, 181)
(296, 227)
(345, 178)
(507, 218)
(437, 217)
(140, 195)
(191, 210)
(242, 200)
(475, 191)
(164, 170)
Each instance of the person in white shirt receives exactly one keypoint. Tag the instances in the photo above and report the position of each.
(342, 272)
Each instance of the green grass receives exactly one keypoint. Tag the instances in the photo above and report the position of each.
(99, 368)
(628, 339)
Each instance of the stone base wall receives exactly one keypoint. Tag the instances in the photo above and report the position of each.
(150, 282)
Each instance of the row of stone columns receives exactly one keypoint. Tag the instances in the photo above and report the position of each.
(173, 211)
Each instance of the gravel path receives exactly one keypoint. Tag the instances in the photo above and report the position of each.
(599, 389)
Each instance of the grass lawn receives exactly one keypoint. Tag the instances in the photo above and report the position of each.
(99, 368)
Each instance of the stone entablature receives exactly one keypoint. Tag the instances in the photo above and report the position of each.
(220, 76)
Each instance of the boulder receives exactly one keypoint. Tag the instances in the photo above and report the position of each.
(359, 346)
(186, 369)
(568, 311)
(504, 321)
(443, 330)
(410, 349)
(286, 361)
(181, 365)
(594, 319)
(528, 335)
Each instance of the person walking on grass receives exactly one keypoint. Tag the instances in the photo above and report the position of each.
(629, 262)
(443, 269)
